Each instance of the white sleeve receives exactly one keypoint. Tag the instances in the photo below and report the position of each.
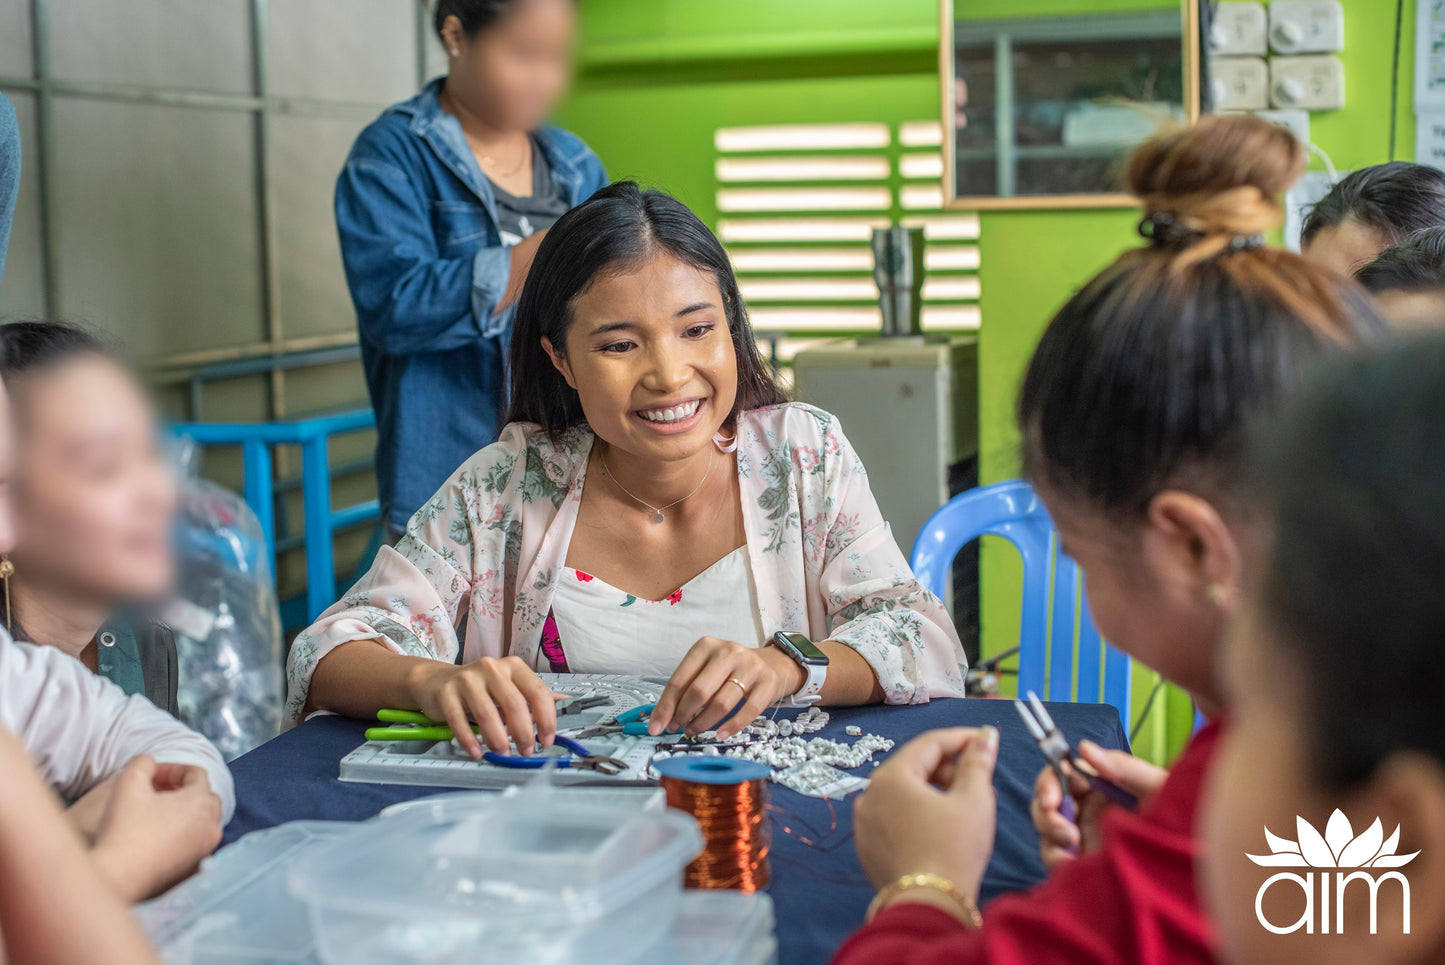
(81, 729)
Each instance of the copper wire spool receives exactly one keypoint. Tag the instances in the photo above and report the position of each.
(727, 798)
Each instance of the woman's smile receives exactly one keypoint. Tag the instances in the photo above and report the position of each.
(673, 418)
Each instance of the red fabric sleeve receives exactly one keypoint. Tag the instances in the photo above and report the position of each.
(1133, 902)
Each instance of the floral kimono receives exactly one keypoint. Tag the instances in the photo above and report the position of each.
(491, 545)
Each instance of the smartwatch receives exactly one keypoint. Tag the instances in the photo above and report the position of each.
(813, 661)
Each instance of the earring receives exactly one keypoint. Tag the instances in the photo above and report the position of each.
(456, 52)
(1217, 594)
(7, 570)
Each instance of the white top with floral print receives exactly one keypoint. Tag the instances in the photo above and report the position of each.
(491, 544)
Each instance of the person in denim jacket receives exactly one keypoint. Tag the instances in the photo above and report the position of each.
(440, 208)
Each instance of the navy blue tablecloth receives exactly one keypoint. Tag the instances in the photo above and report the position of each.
(818, 889)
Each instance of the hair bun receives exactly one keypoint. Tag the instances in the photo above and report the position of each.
(1222, 177)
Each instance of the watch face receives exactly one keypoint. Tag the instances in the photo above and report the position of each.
(802, 649)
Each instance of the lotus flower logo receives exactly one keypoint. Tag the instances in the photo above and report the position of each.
(1336, 848)
(1342, 860)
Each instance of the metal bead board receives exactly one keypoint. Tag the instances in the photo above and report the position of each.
(440, 764)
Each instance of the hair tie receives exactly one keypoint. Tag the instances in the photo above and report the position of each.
(1246, 242)
(1163, 230)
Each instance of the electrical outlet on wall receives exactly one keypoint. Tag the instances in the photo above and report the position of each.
(1306, 26)
(1312, 83)
(1238, 29)
(1239, 83)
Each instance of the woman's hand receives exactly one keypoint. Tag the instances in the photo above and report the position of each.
(502, 696)
(160, 820)
(714, 677)
(931, 809)
(1061, 840)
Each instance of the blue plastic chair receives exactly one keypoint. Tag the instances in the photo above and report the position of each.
(1054, 607)
(320, 520)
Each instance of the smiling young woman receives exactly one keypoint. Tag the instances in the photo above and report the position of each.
(655, 506)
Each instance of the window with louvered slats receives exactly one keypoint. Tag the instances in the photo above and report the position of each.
(796, 206)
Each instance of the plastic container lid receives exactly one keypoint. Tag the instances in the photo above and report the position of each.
(530, 861)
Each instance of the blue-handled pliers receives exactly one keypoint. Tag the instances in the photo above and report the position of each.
(580, 757)
(631, 722)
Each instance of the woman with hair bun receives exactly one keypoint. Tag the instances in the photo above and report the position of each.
(440, 207)
(1132, 412)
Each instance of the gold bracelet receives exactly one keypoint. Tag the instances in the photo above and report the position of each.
(933, 882)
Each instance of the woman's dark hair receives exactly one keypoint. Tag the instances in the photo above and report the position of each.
(1350, 481)
(614, 231)
(26, 347)
(1146, 377)
(474, 15)
(1417, 264)
(1397, 199)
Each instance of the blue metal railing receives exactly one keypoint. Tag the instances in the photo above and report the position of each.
(321, 520)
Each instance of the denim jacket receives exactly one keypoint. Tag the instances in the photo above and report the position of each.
(426, 267)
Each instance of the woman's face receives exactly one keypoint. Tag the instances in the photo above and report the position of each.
(1346, 247)
(1143, 590)
(94, 496)
(515, 71)
(651, 356)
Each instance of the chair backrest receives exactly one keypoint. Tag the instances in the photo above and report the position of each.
(1055, 614)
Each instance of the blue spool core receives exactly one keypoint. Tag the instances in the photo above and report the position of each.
(712, 770)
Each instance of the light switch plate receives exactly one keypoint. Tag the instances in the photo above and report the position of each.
(1306, 26)
(1310, 83)
(1239, 83)
(1297, 122)
(1238, 29)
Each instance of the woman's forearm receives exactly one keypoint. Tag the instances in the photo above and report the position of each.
(42, 857)
(523, 252)
(361, 677)
(851, 680)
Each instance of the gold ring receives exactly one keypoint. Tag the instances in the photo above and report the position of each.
(741, 686)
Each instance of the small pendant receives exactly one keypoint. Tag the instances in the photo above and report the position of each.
(657, 515)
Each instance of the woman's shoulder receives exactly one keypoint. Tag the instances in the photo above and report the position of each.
(389, 138)
(526, 454)
(797, 422)
(565, 144)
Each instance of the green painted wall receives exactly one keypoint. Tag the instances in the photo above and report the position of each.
(660, 75)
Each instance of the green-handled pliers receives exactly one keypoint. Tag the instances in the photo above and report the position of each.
(423, 728)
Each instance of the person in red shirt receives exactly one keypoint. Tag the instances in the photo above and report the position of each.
(1132, 413)
(1333, 771)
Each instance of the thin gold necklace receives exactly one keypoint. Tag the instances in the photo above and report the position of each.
(486, 159)
(657, 516)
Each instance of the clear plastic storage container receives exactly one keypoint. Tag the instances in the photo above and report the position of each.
(236, 909)
(534, 879)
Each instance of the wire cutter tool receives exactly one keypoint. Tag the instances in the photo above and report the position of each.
(630, 722)
(1057, 750)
